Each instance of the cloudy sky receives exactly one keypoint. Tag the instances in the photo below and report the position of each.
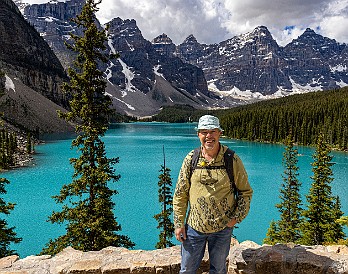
(212, 21)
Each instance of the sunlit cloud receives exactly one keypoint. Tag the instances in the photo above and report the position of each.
(212, 21)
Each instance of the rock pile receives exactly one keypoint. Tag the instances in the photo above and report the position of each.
(246, 257)
(288, 259)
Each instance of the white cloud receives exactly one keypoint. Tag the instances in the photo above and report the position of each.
(212, 21)
(334, 20)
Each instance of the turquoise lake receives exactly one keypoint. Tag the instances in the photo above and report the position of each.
(140, 149)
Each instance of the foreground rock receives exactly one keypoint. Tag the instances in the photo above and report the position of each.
(246, 257)
(287, 259)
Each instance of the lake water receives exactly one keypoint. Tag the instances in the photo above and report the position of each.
(139, 146)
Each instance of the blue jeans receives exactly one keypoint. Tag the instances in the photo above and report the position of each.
(192, 250)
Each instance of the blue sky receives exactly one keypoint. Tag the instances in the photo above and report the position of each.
(212, 21)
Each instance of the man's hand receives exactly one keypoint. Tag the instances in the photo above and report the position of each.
(180, 234)
(232, 223)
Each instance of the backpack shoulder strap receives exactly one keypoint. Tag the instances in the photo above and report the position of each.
(228, 159)
(194, 159)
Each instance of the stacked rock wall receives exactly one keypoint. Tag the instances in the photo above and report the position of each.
(246, 257)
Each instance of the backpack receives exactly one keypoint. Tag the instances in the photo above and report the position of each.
(228, 160)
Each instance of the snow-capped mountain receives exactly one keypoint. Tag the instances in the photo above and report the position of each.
(253, 64)
(243, 69)
(142, 80)
(145, 79)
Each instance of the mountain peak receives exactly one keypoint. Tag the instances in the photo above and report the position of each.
(128, 26)
(310, 37)
(190, 40)
(261, 28)
(261, 31)
(120, 21)
(309, 31)
(162, 39)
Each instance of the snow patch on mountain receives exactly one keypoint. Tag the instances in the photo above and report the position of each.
(129, 75)
(130, 46)
(341, 84)
(297, 88)
(339, 68)
(108, 72)
(128, 105)
(48, 19)
(123, 102)
(248, 95)
(110, 44)
(9, 83)
(155, 70)
(235, 92)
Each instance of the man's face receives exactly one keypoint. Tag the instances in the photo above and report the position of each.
(209, 137)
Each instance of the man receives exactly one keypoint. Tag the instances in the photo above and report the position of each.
(213, 208)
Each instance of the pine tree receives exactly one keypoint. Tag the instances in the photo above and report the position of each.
(320, 225)
(272, 235)
(287, 229)
(343, 220)
(88, 209)
(7, 234)
(165, 198)
(8, 145)
(337, 232)
(29, 145)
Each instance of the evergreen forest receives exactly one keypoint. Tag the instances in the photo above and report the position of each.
(8, 147)
(302, 115)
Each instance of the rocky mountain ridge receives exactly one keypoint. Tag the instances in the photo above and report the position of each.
(141, 81)
(33, 75)
(243, 69)
(52, 21)
(254, 62)
(141, 70)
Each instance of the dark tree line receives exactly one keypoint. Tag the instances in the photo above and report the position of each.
(305, 116)
(8, 147)
(176, 114)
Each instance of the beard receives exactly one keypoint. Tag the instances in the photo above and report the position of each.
(209, 144)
